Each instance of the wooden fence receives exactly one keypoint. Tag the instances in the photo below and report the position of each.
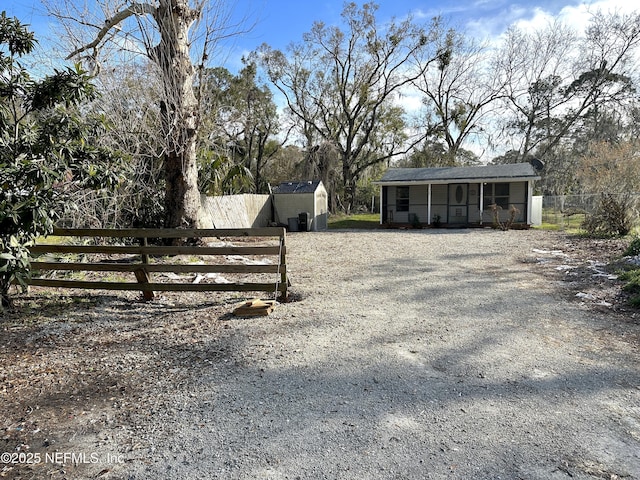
(141, 260)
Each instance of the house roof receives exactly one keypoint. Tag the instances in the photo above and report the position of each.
(516, 171)
(297, 187)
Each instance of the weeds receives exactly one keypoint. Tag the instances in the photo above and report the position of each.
(633, 249)
(631, 277)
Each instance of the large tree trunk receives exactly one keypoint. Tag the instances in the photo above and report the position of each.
(179, 107)
(349, 183)
(182, 198)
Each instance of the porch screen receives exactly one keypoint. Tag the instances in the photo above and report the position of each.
(497, 193)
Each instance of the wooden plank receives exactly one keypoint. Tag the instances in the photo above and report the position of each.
(169, 232)
(157, 287)
(143, 278)
(153, 250)
(145, 257)
(154, 267)
(255, 307)
(284, 281)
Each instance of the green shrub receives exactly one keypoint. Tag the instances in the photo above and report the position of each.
(634, 247)
(632, 279)
(47, 151)
(634, 301)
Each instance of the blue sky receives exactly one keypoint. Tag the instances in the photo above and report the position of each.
(279, 22)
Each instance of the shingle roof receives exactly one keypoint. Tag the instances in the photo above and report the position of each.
(297, 187)
(444, 174)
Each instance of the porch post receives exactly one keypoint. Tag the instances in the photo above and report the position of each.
(429, 205)
(529, 200)
(381, 206)
(481, 201)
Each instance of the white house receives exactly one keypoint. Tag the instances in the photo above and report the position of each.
(456, 196)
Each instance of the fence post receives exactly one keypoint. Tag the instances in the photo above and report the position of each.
(283, 266)
(145, 256)
(142, 275)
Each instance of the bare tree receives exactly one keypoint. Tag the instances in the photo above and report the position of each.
(461, 91)
(129, 99)
(343, 85)
(553, 77)
(322, 162)
(177, 36)
(532, 67)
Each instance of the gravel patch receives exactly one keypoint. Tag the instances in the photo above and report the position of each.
(407, 354)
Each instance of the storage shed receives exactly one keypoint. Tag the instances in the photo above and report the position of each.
(456, 196)
(301, 205)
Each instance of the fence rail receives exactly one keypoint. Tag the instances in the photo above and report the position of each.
(139, 260)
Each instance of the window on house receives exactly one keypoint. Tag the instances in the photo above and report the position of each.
(402, 199)
(497, 193)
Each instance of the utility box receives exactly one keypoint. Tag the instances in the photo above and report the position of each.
(293, 225)
(303, 221)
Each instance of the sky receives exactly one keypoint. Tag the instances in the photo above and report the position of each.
(280, 22)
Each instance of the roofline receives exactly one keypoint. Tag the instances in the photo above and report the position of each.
(400, 183)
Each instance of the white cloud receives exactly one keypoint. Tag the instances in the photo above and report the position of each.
(493, 22)
(537, 21)
(578, 16)
(410, 100)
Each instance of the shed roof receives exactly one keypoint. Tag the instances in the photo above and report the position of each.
(297, 187)
(515, 171)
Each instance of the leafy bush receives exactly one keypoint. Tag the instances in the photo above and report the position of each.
(45, 151)
(14, 265)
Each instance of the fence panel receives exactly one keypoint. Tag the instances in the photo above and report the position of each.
(265, 246)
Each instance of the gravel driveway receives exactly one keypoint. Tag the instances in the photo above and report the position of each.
(408, 355)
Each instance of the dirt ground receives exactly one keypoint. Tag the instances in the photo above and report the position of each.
(405, 354)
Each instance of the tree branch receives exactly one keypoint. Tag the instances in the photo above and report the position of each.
(122, 15)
